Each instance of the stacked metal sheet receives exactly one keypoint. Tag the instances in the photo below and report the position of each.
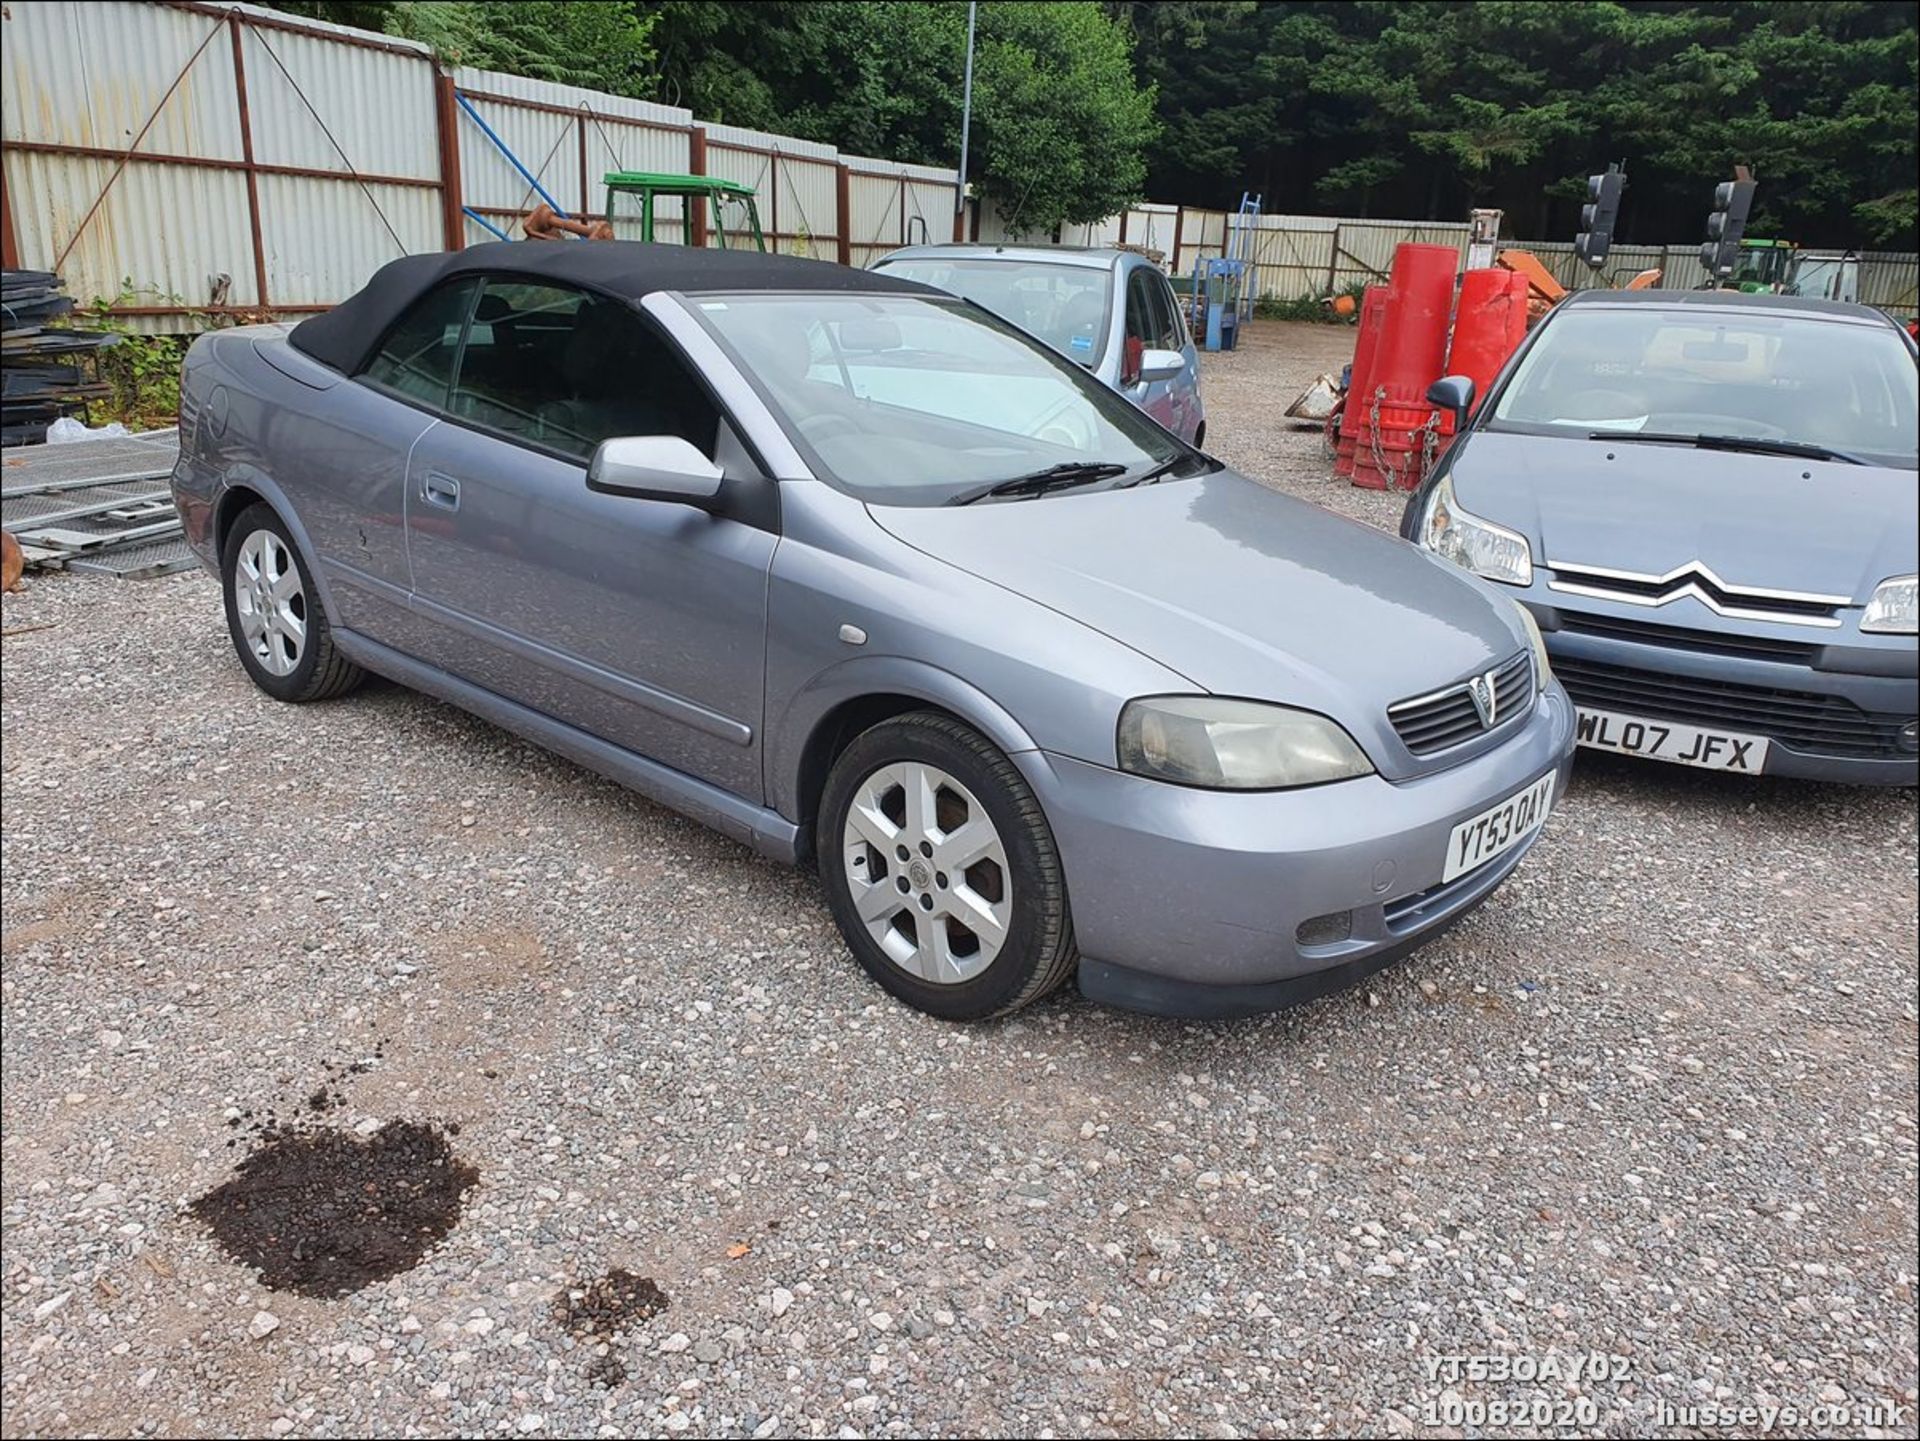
(98, 506)
(44, 375)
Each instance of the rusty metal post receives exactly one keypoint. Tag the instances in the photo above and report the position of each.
(586, 194)
(446, 116)
(246, 155)
(9, 242)
(696, 210)
(843, 202)
(1125, 215)
(1179, 225)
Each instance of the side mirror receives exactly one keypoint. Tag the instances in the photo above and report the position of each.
(1161, 364)
(1453, 393)
(655, 467)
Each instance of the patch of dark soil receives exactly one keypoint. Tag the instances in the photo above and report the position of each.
(324, 1213)
(601, 1310)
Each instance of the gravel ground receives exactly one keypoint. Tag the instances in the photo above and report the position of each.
(1656, 1100)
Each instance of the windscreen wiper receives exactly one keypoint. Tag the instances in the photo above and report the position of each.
(1158, 472)
(1753, 444)
(1054, 477)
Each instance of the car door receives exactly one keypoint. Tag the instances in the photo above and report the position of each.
(1144, 329)
(1185, 387)
(642, 622)
(353, 441)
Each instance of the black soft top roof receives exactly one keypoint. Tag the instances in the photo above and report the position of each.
(344, 336)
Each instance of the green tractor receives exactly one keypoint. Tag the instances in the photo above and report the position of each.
(1779, 267)
(733, 218)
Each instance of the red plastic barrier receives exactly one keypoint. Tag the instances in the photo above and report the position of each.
(1483, 328)
(1411, 356)
(1373, 312)
(1520, 316)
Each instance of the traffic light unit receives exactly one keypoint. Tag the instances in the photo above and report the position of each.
(1599, 216)
(1727, 224)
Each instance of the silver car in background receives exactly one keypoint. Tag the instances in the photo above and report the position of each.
(1110, 310)
(865, 577)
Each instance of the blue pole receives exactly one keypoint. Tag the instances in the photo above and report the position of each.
(512, 159)
(485, 224)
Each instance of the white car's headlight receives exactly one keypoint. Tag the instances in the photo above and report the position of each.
(1542, 669)
(1895, 607)
(1236, 745)
(1474, 544)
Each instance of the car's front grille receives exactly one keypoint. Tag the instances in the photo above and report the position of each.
(1444, 718)
(1820, 724)
(1676, 637)
(1793, 607)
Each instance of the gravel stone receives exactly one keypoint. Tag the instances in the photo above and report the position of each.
(1624, 1108)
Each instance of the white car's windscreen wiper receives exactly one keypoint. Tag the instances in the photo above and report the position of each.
(1801, 449)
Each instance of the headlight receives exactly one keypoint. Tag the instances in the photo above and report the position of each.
(1895, 607)
(1542, 669)
(1235, 745)
(1472, 543)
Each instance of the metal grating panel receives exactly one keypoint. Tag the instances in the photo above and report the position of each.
(139, 562)
(99, 506)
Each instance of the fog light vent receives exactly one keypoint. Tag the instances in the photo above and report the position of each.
(1910, 736)
(1327, 930)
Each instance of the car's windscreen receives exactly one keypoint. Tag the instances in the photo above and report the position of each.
(1800, 380)
(1065, 305)
(910, 400)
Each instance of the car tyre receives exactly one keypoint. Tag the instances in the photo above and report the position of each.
(942, 871)
(274, 616)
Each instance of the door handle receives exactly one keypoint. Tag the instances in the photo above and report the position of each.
(441, 490)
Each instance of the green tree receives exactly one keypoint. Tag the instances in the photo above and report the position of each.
(1423, 110)
(1060, 125)
(600, 46)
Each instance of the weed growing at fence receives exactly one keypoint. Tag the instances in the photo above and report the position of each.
(1311, 307)
(143, 370)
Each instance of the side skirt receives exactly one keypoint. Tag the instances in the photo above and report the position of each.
(768, 832)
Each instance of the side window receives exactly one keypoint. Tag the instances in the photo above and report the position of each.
(566, 370)
(1174, 333)
(416, 361)
(1141, 325)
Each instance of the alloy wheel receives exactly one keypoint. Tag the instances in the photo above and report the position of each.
(270, 601)
(928, 872)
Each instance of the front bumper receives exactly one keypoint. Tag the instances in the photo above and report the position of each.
(1188, 902)
(1834, 717)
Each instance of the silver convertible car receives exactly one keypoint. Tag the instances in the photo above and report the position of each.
(862, 575)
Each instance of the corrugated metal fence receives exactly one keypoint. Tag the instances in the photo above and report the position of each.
(217, 158)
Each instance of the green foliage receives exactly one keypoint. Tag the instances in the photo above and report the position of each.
(1311, 307)
(601, 46)
(1424, 110)
(1060, 127)
(142, 370)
